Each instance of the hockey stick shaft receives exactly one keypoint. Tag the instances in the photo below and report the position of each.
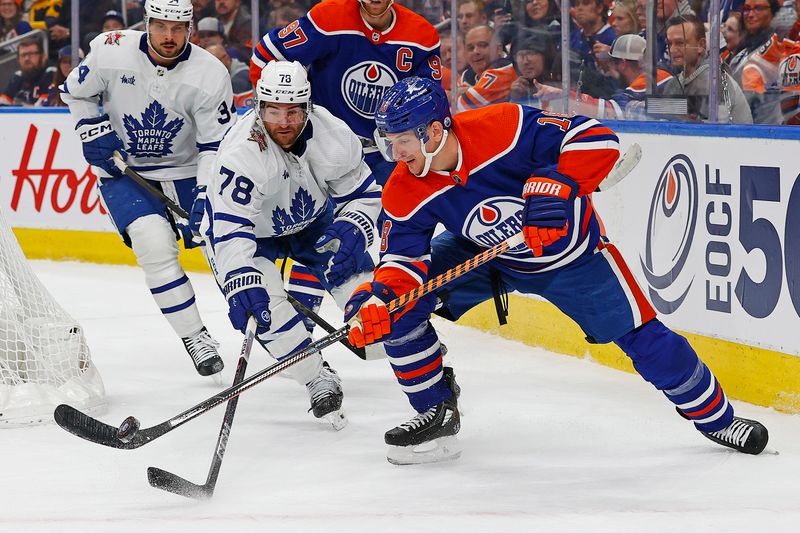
(138, 178)
(88, 428)
(321, 322)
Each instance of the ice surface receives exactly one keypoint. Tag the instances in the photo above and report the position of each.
(551, 443)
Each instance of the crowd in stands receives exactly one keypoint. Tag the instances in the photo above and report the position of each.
(505, 50)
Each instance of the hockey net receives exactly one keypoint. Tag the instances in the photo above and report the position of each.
(44, 358)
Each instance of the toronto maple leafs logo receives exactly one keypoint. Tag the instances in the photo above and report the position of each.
(153, 136)
(301, 213)
(113, 37)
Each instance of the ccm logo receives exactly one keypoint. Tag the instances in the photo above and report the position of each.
(544, 187)
(96, 131)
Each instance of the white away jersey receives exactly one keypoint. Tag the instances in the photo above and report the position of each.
(171, 119)
(258, 190)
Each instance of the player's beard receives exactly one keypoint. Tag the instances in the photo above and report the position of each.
(284, 136)
(172, 52)
(369, 8)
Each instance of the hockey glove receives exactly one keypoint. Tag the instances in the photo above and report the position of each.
(549, 197)
(247, 296)
(196, 215)
(346, 239)
(367, 314)
(99, 143)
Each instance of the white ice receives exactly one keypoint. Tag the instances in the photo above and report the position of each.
(551, 443)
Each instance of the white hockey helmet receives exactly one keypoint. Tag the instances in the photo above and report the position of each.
(177, 10)
(283, 82)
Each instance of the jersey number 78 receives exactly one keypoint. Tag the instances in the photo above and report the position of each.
(242, 188)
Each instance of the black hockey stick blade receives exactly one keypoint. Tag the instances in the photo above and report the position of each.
(161, 479)
(93, 430)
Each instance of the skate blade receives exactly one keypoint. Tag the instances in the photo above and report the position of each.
(337, 419)
(217, 379)
(435, 451)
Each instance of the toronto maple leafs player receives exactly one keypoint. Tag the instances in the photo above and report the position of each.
(166, 105)
(355, 50)
(290, 182)
(487, 175)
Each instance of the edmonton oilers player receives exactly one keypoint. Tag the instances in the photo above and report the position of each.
(532, 172)
(166, 105)
(290, 181)
(354, 50)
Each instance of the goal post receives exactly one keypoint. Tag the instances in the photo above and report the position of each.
(44, 357)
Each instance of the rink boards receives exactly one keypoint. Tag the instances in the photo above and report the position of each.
(709, 223)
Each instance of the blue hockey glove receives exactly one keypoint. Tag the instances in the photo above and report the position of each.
(348, 242)
(99, 143)
(196, 215)
(367, 314)
(247, 296)
(549, 197)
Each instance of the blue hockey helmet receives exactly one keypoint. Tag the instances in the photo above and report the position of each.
(412, 104)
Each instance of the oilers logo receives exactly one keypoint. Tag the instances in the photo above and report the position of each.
(363, 86)
(670, 233)
(495, 220)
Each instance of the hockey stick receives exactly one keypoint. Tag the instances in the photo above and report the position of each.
(161, 479)
(128, 436)
(135, 176)
(622, 167)
(318, 320)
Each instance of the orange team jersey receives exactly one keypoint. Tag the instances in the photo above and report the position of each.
(481, 200)
(494, 86)
(760, 71)
(352, 65)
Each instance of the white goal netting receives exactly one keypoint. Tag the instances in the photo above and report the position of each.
(44, 358)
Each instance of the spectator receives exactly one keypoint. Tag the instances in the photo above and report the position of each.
(625, 19)
(533, 59)
(493, 73)
(62, 70)
(28, 86)
(239, 71)
(686, 37)
(544, 16)
(11, 23)
(470, 14)
(210, 32)
(235, 19)
(482, 51)
(665, 10)
(589, 46)
(203, 9)
(446, 52)
(112, 20)
(627, 58)
(733, 31)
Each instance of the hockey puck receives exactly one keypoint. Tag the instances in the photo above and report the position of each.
(128, 429)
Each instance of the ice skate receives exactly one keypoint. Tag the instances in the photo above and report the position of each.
(743, 435)
(429, 437)
(202, 348)
(325, 392)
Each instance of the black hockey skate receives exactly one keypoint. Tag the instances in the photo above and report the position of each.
(202, 348)
(325, 393)
(429, 437)
(450, 379)
(743, 435)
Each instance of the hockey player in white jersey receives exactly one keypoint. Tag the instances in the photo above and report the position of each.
(290, 181)
(166, 105)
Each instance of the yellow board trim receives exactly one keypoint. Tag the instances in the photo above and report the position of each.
(755, 375)
(92, 246)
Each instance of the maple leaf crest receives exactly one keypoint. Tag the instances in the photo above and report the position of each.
(302, 212)
(153, 136)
